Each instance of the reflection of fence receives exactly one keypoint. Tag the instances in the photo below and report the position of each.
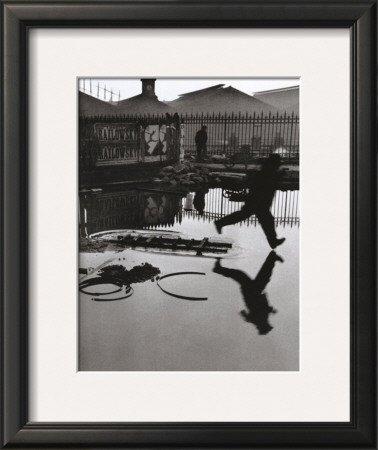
(285, 208)
(149, 210)
(127, 209)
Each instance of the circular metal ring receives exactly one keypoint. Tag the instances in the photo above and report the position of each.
(184, 297)
(129, 293)
(98, 281)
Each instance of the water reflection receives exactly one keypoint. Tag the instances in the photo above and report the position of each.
(199, 200)
(258, 201)
(152, 331)
(145, 208)
(128, 209)
(257, 307)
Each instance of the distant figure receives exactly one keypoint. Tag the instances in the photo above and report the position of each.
(258, 201)
(201, 142)
(233, 143)
(257, 307)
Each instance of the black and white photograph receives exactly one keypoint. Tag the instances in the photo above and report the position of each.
(189, 224)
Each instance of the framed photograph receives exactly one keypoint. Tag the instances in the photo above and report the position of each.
(189, 224)
(174, 192)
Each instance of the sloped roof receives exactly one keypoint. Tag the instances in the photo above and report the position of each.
(218, 99)
(285, 99)
(276, 91)
(92, 106)
(201, 92)
(142, 104)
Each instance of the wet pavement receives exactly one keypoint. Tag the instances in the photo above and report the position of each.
(248, 315)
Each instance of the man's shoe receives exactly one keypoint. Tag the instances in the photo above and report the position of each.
(273, 255)
(218, 227)
(279, 258)
(277, 242)
(217, 265)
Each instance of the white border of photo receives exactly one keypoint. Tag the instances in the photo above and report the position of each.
(320, 390)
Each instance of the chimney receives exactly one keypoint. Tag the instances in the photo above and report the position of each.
(148, 87)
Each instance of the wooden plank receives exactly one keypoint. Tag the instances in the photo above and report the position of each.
(203, 244)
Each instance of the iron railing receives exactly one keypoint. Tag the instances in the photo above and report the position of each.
(249, 135)
(254, 135)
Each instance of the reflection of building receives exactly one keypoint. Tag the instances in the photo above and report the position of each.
(160, 209)
(110, 211)
(127, 209)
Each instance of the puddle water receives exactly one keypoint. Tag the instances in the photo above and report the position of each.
(247, 318)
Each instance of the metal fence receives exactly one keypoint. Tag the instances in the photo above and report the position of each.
(248, 135)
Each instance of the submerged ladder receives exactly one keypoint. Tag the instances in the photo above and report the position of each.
(172, 243)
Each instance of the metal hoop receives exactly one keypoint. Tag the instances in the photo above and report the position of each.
(128, 294)
(100, 280)
(184, 297)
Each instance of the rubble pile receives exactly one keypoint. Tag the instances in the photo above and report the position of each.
(138, 274)
(184, 174)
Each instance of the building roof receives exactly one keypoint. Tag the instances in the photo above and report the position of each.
(273, 91)
(285, 99)
(220, 99)
(201, 92)
(142, 104)
(92, 106)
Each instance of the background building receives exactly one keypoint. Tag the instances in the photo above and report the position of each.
(284, 99)
(219, 99)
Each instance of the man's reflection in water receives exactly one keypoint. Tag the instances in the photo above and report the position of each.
(257, 307)
(199, 200)
(258, 201)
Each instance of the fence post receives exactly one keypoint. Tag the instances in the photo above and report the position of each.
(225, 133)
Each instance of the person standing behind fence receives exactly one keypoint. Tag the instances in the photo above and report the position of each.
(201, 142)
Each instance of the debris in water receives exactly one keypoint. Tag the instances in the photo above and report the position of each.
(88, 245)
(138, 274)
(92, 245)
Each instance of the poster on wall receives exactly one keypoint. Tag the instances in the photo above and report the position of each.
(118, 143)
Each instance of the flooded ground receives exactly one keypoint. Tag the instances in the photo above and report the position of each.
(243, 322)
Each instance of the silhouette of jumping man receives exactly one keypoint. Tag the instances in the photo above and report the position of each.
(257, 307)
(258, 201)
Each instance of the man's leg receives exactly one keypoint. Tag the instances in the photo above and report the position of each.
(233, 218)
(265, 273)
(266, 220)
(237, 275)
(198, 152)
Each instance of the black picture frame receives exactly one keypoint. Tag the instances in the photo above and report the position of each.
(17, 17)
